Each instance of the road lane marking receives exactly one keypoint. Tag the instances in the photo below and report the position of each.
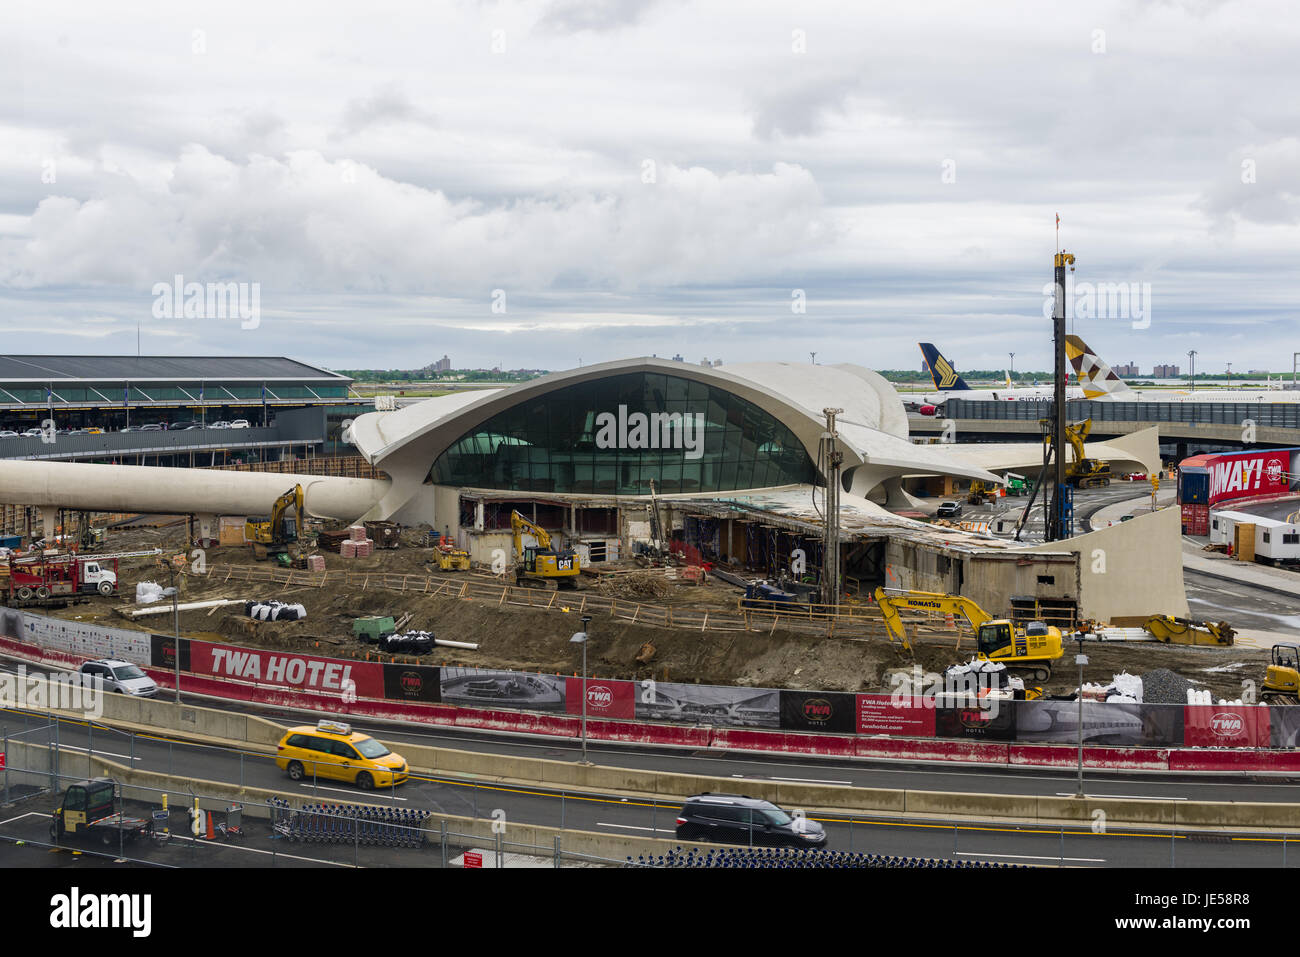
(1127, 797)
(809, 781)
(634, 827)
(21, 816)
(73, 747)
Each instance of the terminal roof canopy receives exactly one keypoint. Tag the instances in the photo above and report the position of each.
(16, 368)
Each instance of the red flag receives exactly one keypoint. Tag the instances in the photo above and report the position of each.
(1058, 220)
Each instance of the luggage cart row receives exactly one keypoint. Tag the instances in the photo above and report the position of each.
(347, 824)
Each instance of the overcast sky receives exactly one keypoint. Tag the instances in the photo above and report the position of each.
(542, 183)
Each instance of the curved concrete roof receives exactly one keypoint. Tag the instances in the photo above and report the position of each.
(873, 429)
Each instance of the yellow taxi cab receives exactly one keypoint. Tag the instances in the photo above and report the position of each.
(333, 750)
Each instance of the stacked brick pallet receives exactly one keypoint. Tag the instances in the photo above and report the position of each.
(357, 544)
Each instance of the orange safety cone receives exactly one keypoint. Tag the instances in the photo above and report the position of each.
(212, 833)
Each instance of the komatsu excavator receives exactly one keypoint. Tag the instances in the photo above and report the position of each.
(541, 563)
(1029, 651)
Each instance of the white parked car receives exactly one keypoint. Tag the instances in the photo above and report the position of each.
(121, 677)
(240, 424)
(223, 424)
(8, 434)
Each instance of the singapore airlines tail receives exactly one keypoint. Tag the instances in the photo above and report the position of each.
(942, 372)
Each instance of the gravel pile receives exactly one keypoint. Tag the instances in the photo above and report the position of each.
(1162, 686)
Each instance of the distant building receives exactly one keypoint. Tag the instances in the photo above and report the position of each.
(1130, 369)
(716, 363)
(442, 365)
(678, 358)
(1165, 372)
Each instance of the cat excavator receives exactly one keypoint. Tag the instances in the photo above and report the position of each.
(1029, 651)
(278, 536)
(541, 563)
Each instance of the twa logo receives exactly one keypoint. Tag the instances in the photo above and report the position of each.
(1227, 725)
(1273, 471)
(817, 710)
(600, 696)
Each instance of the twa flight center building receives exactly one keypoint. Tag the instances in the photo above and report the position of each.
(733, 457)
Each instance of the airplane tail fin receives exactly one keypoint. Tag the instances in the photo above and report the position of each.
(945, 377)
(1094, 375)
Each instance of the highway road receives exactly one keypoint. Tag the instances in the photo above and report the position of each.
(857, 772)
(872, 834)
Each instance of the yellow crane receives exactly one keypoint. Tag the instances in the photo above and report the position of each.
(541, 562)
(1031, 649)
(279, 534)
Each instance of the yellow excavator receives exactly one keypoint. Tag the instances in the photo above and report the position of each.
(1029, 651)
(278, 536)
(541, 563)
(1181, 631)
(1282, 681)
(1084, 472)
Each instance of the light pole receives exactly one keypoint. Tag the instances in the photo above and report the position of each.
(176, 633)
(580, 638)
(1080, 659)
(1230, 375)
(1191, 356)
(1012, 371)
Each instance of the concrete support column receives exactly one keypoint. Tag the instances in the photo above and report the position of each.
(49, 522)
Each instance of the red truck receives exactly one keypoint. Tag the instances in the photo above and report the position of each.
(42, 579)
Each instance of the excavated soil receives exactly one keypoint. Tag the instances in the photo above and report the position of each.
(534, 639)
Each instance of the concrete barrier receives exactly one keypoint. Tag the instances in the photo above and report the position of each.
(227, 725)
(1116, 810)
(784, 742)
(1064, 756)
(946, 804)
(1192, 759)
(929, 749)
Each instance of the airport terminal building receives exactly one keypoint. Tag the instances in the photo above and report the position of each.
(732, 456)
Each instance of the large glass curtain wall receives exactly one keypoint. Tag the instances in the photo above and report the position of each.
(583, 439)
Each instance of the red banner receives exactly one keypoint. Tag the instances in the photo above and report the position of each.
(1225, 726)
(1248, 474)
(365, 679)
(605, 698)
(885, 714)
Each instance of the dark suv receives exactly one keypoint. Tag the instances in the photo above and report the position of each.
(949, 510)
(738, 819)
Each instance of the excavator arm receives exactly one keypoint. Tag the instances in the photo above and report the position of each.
(892, 600)
(519, 525)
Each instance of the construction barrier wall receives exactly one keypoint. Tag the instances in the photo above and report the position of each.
(816, 722)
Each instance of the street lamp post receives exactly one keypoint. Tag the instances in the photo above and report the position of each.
(580, 638)
(176, 634)
(1191, 356)
(1012, 371)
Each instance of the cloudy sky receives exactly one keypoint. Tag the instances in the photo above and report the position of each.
(540, 183)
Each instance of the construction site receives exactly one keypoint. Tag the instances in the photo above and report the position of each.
(651, 617)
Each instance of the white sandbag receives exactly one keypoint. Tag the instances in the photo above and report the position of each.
(148, 592)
